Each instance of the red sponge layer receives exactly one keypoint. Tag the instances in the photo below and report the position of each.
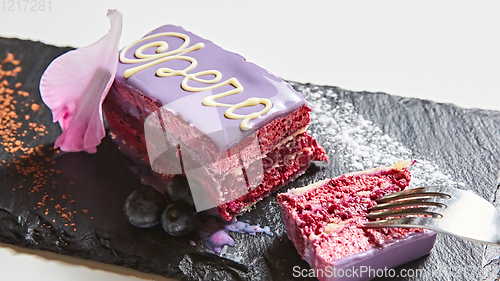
(285, 148)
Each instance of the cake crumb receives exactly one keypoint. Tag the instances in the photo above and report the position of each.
(35, 107)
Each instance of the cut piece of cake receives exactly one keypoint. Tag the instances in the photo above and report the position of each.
(324, 221)
(182, 104)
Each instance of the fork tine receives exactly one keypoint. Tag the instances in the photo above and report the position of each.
(467, 215)
(418, 211)
(431, 202)
(414, 193)
(405, 222)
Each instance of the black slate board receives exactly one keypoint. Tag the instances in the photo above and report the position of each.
(463, 143)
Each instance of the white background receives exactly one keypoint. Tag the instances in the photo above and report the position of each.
(446, 51)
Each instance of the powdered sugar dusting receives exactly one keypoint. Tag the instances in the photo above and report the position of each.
(362, 144)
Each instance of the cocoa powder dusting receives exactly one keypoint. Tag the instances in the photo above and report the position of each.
(28, 162)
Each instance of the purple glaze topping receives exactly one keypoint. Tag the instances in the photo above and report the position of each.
(256, 82)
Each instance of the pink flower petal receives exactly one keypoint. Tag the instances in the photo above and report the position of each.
(74, 87)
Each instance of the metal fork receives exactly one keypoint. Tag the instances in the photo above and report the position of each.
(442, 209)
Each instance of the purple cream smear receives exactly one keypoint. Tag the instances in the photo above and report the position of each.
(214, 231)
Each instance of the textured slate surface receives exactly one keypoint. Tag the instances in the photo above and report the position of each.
(463, 143)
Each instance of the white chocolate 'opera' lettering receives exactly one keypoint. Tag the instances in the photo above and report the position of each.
(163, 55)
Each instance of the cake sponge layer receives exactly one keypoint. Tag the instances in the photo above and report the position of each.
(182, 104)
(324, 221)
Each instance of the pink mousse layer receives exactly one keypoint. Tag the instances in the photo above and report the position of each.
(324, 221)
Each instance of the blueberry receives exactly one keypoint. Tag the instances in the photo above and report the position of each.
(178, 190)
(177, 219)
(144, 206)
